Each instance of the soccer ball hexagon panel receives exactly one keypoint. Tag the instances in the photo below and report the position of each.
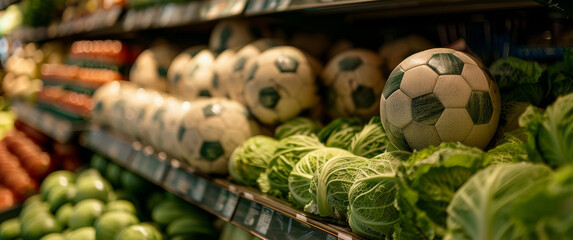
(440, 95)
(353, 80)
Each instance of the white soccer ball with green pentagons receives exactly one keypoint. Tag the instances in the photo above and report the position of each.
(232, 34)
(199, 79)
(440, 95)
(280, 85)
(150, 68)
(179, 63)
(353, 83)
(210, 131)
(235, 81)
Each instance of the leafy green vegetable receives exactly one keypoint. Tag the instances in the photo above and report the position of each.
(301, 176)
(339, 132)
(551, 133)
(549, 209)
(252, 158)
(371, 140)
(560, 77)
(509, 118)
(519, 80)
(427, 184)
(331, 183)
(510, 148)
(480, 210)
(297, 126)
(372, 197)
(290, 150)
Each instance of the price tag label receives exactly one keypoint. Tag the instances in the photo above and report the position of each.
(159, 171)
(166, 15)
(183, 184)
(198, 191)
(331, 237)
(221, 200)
(264, 220)
(113, 151)
(231, 205)
(344, 236)
(252, 214)
(256, 6)
(130, 20)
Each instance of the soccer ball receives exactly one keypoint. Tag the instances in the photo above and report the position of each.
(210, 131)
(103, 100)
(199, 79)
(280, 85)
(440, 95)
(394, 52)
(235, 81)
(115, 113)
(223, 67)
(135, 105)
(150, 68)
(231, 34)
(146, 126)
(353, 82)
(177, 67)
(172, 113)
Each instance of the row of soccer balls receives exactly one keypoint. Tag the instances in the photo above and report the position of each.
(274, 81)
(202, 132)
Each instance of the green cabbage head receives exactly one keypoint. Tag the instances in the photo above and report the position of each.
(301, 176)
(372, 198)
(331, 183)
(371, 140)
(274, 181)
(297, 126)
(252, 158)
(550, 132)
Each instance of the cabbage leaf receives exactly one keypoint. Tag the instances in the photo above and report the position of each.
(331, 183)
(549, 209)
(551, 132)
(301, 176)
(372, 198)
(371, 140)
(519, 80)
(427, 183)
(290, 150)
(252, 158)
(339, 132)
(297, 126)
(480, 209)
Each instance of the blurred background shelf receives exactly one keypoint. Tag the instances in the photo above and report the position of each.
(53, 125)
(120, 21)
(245, 207)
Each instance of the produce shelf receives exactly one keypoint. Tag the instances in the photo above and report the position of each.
(121, 21)
(57, 127)
(246, 207)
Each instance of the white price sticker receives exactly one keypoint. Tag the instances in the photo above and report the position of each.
(344, 236)
(113, 150)
(254, 211)
(159, 170)
(220, 204)
(248, 196)
(301, 217)
(182, 185)
(264, 220)
(199, 190)
(230, 206)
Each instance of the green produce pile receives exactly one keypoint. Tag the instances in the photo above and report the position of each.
(106, 202)
(520, 188)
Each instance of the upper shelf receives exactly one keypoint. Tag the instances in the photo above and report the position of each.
(118, 20)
